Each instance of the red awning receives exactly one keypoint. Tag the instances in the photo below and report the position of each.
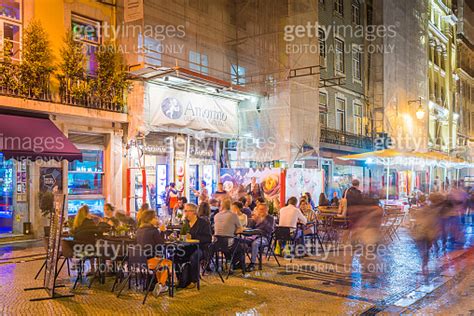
(32, 138)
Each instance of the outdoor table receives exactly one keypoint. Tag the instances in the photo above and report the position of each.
(176, 244)
(328, 209)
(254, 232)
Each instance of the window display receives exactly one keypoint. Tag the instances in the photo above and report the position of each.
(96, 206)
(86, 177)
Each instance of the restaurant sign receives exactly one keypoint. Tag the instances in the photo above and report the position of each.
(178, 109)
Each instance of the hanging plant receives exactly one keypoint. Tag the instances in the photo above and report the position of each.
(37, 61)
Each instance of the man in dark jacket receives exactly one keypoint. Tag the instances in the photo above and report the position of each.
(353, 194)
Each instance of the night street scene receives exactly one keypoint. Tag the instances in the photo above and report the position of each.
(237, 157)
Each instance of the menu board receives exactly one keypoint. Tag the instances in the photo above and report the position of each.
(52, 257)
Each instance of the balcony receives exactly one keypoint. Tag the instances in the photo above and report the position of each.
(12, 83)
(336, 137)
(85, 92)
(81, 92)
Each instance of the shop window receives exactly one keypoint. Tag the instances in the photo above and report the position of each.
(323, 119)
(86, 177)
(198, 62)
(152, 49)
(87, 32)
(339, 56)
(237, 74)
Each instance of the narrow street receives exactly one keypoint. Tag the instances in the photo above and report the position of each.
(329, 285)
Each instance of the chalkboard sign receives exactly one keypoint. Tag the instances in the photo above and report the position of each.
(56, 224)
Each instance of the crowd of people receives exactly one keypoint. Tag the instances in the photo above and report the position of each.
(217, 221)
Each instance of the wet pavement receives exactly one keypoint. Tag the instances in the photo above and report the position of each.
(341, 281)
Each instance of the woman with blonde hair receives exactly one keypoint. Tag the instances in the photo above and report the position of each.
(84, 228)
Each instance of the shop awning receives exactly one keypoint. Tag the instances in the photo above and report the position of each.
(32, 138)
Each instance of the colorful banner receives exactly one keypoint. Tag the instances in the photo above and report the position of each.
(237, 181)
(178, 109)
(299, 181)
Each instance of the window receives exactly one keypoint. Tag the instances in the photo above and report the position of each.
(152, 49)
(339, 56)
(323, 100)
(358, 119)
(355, 12)
(198, 62)
(339, 7)
(10, 28)
(340, 114)
(356, 64)
(323, 119)
(86, 177)
(87, 32)
(237, 74)
(322, 44)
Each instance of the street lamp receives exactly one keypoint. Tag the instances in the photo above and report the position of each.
(420, 113)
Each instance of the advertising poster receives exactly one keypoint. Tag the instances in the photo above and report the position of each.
(299, 181)
(51, 178)
(236, 181)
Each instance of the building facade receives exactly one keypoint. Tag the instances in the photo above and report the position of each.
(344, 113)
(95, 128)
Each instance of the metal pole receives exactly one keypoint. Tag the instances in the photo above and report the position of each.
(388, 179)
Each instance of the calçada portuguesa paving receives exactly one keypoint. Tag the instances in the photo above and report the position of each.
(334, 284)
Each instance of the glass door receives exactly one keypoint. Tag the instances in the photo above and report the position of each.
(6, 195)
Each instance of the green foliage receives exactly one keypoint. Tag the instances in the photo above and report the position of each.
(8, 77)
(46, 200)
(111, 81)
(37, 60)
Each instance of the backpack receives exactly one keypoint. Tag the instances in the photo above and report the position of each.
(342, 211)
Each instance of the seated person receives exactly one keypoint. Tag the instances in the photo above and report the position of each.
(246, 209)
(236, 208)
(199, 229)
(145, 207)
(109, 221)
(178, 211)
(204, 211)
(323, 201)
(310, 215)
(148, 237)
(214, 204)
(265, 223)
(84, 229)
(335, 199)
(290, 215)
(226, 226)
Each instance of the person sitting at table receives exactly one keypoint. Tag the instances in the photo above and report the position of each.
(214, 204)
(109, 221)
(323, 201)
(84, 229)
(335, 199)
(236, 208)
(310, 200)
(143, 208)
(204, 211)
(199, 229)
(290, 215)
(246, 206)
(264, 222)
(310, 215)
(149, 237)
(178, 211)
(226, 226)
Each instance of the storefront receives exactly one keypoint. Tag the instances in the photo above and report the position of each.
(7, 185)
(184, 131)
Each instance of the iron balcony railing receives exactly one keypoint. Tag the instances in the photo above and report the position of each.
(336, 137)
(82, 92)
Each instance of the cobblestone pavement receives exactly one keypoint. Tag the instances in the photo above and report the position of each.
(334, 283)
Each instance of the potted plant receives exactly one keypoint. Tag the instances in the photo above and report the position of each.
(46, 203)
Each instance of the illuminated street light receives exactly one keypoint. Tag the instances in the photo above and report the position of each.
(420, 113)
